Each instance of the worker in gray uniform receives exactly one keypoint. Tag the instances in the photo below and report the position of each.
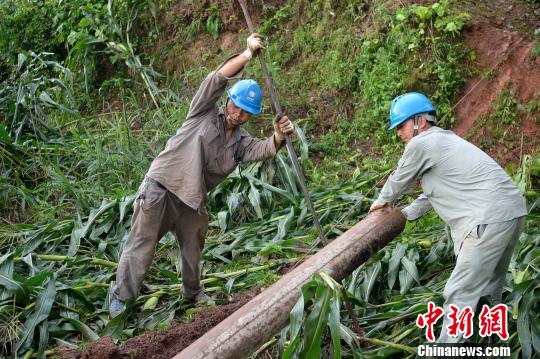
(468, 190)
(205, 150)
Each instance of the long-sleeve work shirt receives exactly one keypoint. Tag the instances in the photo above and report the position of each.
(460, 182)
(199, 157)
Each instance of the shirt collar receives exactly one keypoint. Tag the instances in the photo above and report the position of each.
(430, 130)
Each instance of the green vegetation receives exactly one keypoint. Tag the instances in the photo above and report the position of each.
(87, 100)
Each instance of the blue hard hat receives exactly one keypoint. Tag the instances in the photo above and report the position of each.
(247, 95)
(407, 105)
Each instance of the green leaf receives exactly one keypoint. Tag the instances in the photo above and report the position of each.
(284, 224)
(43, 338)
(151, 303)
(87, 333)
(81, 232)
(79, 295)
(289, 350)
(405, 281)
(523, 325)
(37, 280)
(4, 134)
(450, 27)
(296, 317)
(115, 326)
(411, 268)
(334, 324)
(6, 277)
(316, 324)
(44, 302)
(372, 278)
(128, 201)
(21, 58)
(222, 220)
(535, 331)
(295, 324)
(43, 96)
(255, 200)
(269, 187)
(393, 265)
(290, 176)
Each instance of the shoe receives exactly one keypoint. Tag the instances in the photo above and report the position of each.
(116, 306)
(201, 299)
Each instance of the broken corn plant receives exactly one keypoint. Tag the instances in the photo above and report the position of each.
(315, 312)
(56, 277)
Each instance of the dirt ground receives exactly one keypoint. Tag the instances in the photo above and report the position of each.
(166, 343)
(514, 72)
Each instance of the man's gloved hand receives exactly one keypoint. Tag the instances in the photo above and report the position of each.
(254, 45)
(377, 205)
(282, 125)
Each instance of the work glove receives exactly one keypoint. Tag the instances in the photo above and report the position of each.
(377, 205)
(282, 125)
(254, 45)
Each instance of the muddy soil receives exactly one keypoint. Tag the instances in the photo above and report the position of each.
(506, 56)
(163, 344)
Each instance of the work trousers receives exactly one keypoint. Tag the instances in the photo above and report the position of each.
(156, 212)
(481, 268)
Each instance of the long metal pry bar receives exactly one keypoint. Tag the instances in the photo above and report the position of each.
(290, 147)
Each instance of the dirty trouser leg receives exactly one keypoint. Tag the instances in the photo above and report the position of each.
(149, 224)
(495, 286)
(479, 263)
(190, 228)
